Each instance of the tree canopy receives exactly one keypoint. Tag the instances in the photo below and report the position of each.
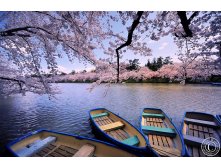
(28, 39)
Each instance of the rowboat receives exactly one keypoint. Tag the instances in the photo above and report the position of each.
(45, 143)
(162, 135)
(118, 131)
(219, 118)
(196, 127)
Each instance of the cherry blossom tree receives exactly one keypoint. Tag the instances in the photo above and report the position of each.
(30, 39)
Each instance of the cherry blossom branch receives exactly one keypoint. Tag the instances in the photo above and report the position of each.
(15, 31)
(129, 40)
(186, 22)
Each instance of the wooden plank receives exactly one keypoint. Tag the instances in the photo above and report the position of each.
(112, 126)
(46, 150)
(63, 152)
(201, 135)
(119, 135)
(170, 142)
(195, 133)
(160, 141)
(190, 126)
(162, 125)
(150, 138)
(40, 154)
(115, 135)
(190, 132)
(160, 120)
(201, 129)
(201, 122)
(155, 140)
(86, 150)
(55, 154)
(158, 125)
(51, 146)
(206, 135)
(164, 141)
(123, 133)
(68, 149)
(105, 122)
(172, 151)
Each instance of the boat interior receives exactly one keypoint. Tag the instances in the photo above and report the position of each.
(48, 144)
(161, 133)
(117, 128)
(196, 128)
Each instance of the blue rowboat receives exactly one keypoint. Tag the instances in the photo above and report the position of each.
(196, 127)
(118, 131)
(162, 135)
(45, 143)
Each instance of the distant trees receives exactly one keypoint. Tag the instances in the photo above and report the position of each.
(73, 72)
(156, 64)
(133, 65)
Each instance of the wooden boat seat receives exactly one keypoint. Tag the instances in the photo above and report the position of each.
(86, 150)
(159, 131)
(112, 126)
(34, 148)
(99, 115)
(153, 115)
(191, 140)
(201, 122)
(132, 141)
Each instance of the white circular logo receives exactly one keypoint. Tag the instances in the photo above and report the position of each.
(210, 146)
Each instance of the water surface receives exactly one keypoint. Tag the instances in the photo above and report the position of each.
(69, 111)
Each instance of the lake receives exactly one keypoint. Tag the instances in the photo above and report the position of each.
(68, 111)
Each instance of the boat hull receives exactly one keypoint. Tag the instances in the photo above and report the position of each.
(71, 143)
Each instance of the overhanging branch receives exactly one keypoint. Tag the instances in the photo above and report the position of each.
(129, 40)
(186, 22)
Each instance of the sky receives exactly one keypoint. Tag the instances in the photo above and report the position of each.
(164, 47)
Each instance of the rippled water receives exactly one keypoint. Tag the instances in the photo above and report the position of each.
(69, 111)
